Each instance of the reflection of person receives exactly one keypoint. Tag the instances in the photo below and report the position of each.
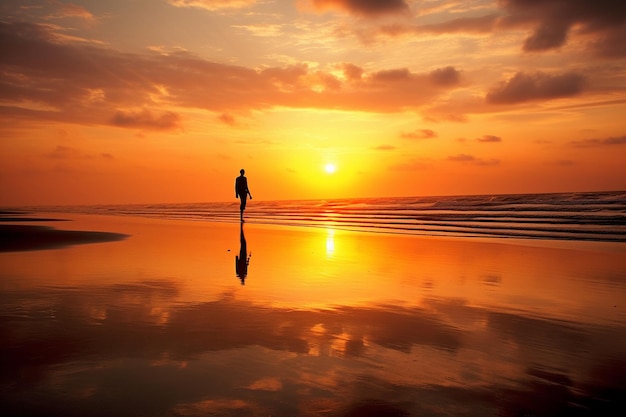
(242, 260)
(242, 192)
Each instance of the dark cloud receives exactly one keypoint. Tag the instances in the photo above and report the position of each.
(385, 148)
(611, 44)
(547, 36)
(445, 76)
(524, 87)
(489, 139)
(552, 23)
(419, 134)
(555, 20)
(145, 119)
(611, 141)
(368, 8)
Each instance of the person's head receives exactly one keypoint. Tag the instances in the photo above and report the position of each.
(242, 171)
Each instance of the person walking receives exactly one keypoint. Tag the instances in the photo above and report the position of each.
(242, 192)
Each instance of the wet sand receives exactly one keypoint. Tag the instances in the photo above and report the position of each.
(190, 318)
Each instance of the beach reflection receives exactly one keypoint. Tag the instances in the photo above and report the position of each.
(379, 325)
(243, 259)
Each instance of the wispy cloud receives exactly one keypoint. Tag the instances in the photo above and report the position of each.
(70, 10)
(213, 4)
(470, 159)
(64, 76)
(63, 152)
(489, 139)
(610, 141)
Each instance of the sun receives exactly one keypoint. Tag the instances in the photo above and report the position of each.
(330, 168)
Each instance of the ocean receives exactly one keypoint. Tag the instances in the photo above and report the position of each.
(596, 216)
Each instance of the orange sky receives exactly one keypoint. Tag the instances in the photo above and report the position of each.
(165, 100)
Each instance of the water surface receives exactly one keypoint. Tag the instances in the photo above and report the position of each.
(322, 322)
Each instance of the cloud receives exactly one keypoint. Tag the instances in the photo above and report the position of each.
(610, 141)
(553, 21)
(49, 78)
(145, 119)
(471, 25)
(369, 8)
(447, 76)
(65, 10)
(524, 87)
(489, 139)
(461, 158)
(610, 44)
(419, 134)
(228, 119)
(67, 152)
(352, 72)
(213, 4)
(464, 158)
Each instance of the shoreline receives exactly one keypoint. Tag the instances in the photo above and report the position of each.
(25, 237)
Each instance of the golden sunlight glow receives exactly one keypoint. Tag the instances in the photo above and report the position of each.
(330, 168)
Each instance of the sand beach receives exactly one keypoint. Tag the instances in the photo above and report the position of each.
(129, 316)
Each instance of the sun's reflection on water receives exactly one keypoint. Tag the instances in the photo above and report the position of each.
(330, 242)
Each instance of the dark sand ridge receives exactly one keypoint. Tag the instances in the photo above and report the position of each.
(22, 237)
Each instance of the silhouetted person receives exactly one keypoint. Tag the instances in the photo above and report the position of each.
(242, 260)
(242, 192)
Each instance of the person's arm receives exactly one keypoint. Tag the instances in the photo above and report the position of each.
(248, 190)
(236, 192)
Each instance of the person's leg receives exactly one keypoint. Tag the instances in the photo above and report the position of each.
(242, 206)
